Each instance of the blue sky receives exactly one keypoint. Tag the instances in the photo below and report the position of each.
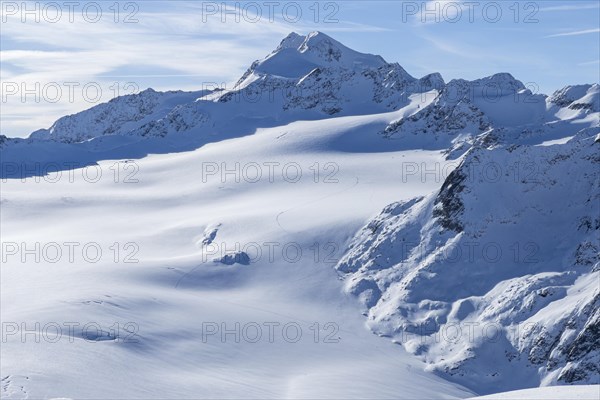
(189, 45)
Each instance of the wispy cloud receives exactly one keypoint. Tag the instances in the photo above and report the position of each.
(595, 62)
(171, 45)
(434, 11)
(449, 47)
(164, 46)
(575, 33)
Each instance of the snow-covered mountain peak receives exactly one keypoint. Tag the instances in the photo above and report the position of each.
(570, 93)
(326, 49)
(578, 97)
(293, 41)
(434, 81)
(313, 76)
(298, 55)
(485, 265)
(120, 116)
(319, 75)
(494, 86)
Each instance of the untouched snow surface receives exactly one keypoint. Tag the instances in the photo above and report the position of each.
(590, 392)
(229, 244)
(174, 288)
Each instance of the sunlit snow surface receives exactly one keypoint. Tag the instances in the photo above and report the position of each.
(171, 291)
(179, 304)
(590, 392)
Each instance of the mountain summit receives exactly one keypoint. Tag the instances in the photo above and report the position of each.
(297, 55)
(315, 77)
(305, 77)
(482, 260)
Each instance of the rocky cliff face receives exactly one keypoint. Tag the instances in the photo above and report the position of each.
(495, 271)
(120, 116)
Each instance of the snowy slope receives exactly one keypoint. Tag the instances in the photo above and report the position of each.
(555, 393)
(119, 116)
(177, 286)
(497, 110)
(497, 270)
(315, 77)
(313, 142)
